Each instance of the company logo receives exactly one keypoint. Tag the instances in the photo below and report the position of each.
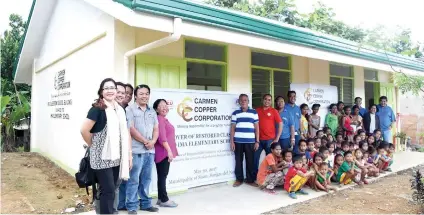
(308, 95)
(184, 109)
(59, 81)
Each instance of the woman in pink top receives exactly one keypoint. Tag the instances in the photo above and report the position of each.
(165, 151)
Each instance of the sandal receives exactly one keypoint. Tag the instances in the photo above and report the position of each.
(270, 191)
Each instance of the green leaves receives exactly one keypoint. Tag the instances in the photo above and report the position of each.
(409, 83)
(4, 102)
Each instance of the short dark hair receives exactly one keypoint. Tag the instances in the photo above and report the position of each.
(345, 143)
(302, 141)
(318, 155)
(311, 140)
(339, 133)
(347, 107)
(130, 86)
(285, 153)
(316, 106)
(274, 145)
(322, 149)
(323, 164)
(358, 98)
(140, 87)
(290, 92)
(298, 158)
(243, 95)
(377, 130)
(332, 105)
(355, 107)
(383, 97)
(265, 95)
(120, 84)
(316, 133)
(339, 103)
(278, 97)
(372, 105)
(347, 153)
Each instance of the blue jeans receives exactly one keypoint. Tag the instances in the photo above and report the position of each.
(296, 143)
(122, 195)
(263, 145)
(138, 185)
(387, 136)
(285, 143)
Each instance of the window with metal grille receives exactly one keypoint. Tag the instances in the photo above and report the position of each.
(206, 66)
(270, 75)
(341, 76)
(370, 75)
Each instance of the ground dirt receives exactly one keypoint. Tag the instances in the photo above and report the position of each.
(32, 184)
(388, 195)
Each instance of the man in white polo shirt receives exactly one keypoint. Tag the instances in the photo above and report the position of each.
(244, 140)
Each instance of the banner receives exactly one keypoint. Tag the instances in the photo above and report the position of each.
(316, 94)
(202, 122)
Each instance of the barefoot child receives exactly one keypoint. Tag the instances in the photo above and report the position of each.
(346, 172)
(338, 161)
(324, 183)
(381, 159)
(360, 167)
(287, 160)
(372, 169)
(296, 177)
(269, 173)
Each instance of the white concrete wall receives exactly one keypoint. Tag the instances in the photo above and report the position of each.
(73, 23)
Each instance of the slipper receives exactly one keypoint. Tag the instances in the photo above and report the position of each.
(270, 191)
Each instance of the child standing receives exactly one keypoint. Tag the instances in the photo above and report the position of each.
(331, 155)
(269, 173)
(324, 183)
(296, 177)
(346, 123)
(314, 120)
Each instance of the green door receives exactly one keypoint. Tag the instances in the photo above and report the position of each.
(161, 72)
(388, 90)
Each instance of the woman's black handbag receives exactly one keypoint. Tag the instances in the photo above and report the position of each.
(85, 175)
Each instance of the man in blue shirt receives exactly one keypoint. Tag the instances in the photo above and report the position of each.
(387, 119)
(287, 137)
(244, 138)
(358, 102)
(296, 114)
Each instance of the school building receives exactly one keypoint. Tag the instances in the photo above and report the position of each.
(71, 45)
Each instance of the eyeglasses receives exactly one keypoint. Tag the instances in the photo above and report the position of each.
(109, 88)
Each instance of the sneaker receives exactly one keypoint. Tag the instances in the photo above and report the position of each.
(302, 192)
(151, 209)
(168, 204)
(293, 195)
(132, 212)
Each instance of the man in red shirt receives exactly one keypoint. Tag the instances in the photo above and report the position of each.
(268, 118)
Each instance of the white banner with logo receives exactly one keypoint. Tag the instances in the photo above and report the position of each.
(202, 128)
(316, 94)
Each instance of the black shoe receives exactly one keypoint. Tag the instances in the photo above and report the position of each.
(151, 209)
(122, 209)
(132, 212)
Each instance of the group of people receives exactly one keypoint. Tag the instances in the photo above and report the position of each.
(125, 140)
(353, 144)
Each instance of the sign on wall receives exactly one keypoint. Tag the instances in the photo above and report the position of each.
(61, 97)
(202, 129)
(316, 94)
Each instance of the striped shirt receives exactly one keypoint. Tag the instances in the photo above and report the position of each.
(245, 125)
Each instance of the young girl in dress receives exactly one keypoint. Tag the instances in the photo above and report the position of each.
(314, 120)
(346, 123)
(304, 126)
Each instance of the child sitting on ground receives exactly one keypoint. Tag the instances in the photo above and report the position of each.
(320, 134)
(317, 143)
(371, 141)
(310, 152)
(338, 161)
(324, 183)
(346, 172)
(372, 169)
(326, 155)
(377, 135)
(381, 159)
(287, 161)
(317, 160)
(390, 154)
(269, 173)
(339, 140)
(363, 145)
(360, 167)
(345, 147)
(296, 177)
